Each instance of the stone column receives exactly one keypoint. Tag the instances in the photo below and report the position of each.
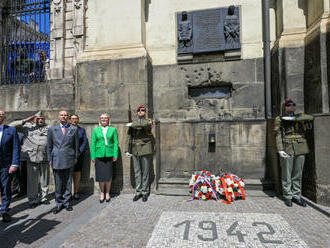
(114, 62)
(113, 65)
(78, 27)
(57, 39)
(290, 52)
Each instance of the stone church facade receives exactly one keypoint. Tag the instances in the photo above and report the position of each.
(103, 52)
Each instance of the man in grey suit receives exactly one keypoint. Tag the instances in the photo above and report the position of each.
(62, 151)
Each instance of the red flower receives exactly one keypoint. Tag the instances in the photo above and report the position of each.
(200, 194)
(204, 171)
(213, 182)
(207, 196)
(236, 194)
(196, 177)
(232, 185)
(204, 184)
(208, 174)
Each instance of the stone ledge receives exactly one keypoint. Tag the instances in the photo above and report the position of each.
(113, 53)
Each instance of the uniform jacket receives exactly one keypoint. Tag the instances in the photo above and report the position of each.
(141, 138)
(62, 150)
(290, 134)
(98, 147)
(9, 147)
(34, 141)
(82, 139)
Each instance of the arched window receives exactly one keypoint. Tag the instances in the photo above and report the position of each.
(25, 42)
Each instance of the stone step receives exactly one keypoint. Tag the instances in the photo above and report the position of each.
(185, 192)
(251, 184)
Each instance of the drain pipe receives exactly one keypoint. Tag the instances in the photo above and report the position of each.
(267, 59)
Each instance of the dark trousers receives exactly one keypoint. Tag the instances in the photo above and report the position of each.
(19, 180)
(63, 187)
(5, 185)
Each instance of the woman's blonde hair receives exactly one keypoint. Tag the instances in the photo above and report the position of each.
(107, 115)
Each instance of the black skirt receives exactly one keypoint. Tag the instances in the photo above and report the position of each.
(79, 164)
(103, 169)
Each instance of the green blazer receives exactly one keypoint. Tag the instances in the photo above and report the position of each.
(98, 147)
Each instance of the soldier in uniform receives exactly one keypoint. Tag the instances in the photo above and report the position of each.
(140, 146)
(290, 129)
(34, 149)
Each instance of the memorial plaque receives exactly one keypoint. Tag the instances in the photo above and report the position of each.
(207, 229)
(208, 35)
(208, 30)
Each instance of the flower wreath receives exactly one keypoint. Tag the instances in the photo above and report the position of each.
(226, 187)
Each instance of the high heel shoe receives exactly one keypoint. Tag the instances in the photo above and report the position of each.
(101, 201)
(108, 200)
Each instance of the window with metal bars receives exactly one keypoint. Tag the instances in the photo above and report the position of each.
(209, 92)
(25, 42)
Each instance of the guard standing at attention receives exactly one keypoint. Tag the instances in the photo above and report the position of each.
(290, 129)
(140, 146)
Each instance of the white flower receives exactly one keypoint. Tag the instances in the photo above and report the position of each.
(204, 189)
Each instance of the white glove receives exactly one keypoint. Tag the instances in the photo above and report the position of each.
(129, 124)
(128, 154)
(283, 154)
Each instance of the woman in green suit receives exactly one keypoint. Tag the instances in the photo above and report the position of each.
(104, 151)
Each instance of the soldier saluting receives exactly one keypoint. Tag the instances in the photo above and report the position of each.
(140, 146)
(292, 147)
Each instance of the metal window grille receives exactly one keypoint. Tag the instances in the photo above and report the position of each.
(25, 42)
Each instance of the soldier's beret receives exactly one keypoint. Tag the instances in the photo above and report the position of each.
(288, 101)
(141, 107)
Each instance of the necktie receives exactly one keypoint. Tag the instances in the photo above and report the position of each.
(63, 130)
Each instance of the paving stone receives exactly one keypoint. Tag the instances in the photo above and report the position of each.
(124, 223)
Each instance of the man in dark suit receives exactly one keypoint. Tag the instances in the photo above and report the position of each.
(9, 162)
(62, 151)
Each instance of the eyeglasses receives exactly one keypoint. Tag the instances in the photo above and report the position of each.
(141, 110)
(290, 105)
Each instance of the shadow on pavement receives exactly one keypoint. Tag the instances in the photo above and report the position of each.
(82, 197)
(317, 208)
(26, 232)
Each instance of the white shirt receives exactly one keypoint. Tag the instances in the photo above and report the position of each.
(105, 130)
(1, 131)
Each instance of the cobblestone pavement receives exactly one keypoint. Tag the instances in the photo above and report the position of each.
(168, 221)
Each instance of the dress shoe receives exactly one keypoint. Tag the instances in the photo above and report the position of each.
(288, 202)
(56, 210)
(6, 217)
(76, 197)
(299, 202)
(69, 208)
(144, 198)
(137, 197)
(34, 205)
(45, 202)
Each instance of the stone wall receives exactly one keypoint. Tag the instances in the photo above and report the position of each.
(161, 22)
(313, 81)
(239, 148)
(316, 184)
(300, 70)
